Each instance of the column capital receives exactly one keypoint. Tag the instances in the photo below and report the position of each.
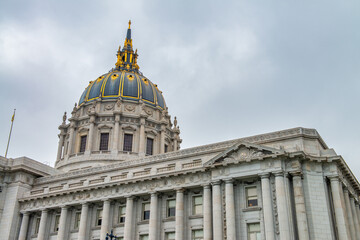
(229, 181)
(279, 173)
(334, 178)
(25, 213)
(153, 194)
(129, 196)
(64, 207)
(296, 173)
(264, 175)
(85, 203)
(106, 200)
(45, 210)
(179, 189)
(217, 182)
(206, 185)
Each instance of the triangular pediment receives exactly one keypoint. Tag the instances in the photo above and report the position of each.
(243, 152)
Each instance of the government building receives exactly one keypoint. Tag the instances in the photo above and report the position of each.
(119, 168)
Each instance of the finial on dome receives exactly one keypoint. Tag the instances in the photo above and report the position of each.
(129, 23)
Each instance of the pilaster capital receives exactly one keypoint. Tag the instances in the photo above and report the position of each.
(229, 181)
(264, 175)
(296, 173)
(217, 182)
(279, 173)
(334, 178)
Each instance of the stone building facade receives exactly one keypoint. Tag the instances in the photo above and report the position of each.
(119, 167)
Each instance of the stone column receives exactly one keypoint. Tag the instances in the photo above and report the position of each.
(338, 208)
(71, 139)
(207, 213)
(116, 134)
(282, 206)
(83, 221)
(357, 208)
(217, 219)
(179, 215)
(142, 137)
(42, 227)
(105, 223)
(175, 143)
(267, 206)
(230, 210)
(62, 224)
(90, 138)
(24, 226)
(349, 214)
(60, 146)
(355, 218)
(129, 218)
(153, 217)
(300, 207)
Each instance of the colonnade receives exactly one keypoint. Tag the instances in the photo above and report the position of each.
(213, 224)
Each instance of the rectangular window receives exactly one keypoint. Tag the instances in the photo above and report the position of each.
(99, 213)
(122, 212)
(171, 204)
(254, 231)
(146, 211)
(144, 237)
(197, 205)
(197, 234)
(82, 143)
(170, 236)
(77, 220)
(166, 148)
(128, 140)
(251, 197)
(149, 146)
(104, 142)
(56, 225)
(37, 225)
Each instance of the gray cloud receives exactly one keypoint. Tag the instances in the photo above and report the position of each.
(226, 70)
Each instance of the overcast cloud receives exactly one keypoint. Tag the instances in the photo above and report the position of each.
(228, 69)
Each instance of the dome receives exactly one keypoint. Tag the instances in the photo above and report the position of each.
(128, 85)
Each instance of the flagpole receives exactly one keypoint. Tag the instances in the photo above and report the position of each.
(12, 122)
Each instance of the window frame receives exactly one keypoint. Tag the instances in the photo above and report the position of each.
(98, 218)
(248, 229)
(168, 213)
(56, 222)
(104, 142)
(149, 151)
(247, 196)
(77, 221)
(121, 216)
(82, 146)
(193, 234)
(143, 216)
(131, 145)
(193, 210)
(37, 224)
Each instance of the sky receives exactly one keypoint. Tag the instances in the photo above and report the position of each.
(228, 69)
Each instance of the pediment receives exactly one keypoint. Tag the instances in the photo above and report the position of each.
(244, 152)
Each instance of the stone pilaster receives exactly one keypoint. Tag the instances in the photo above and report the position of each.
(179, 215)
(267, 206)
(116, 134)
(207, 213)
(42, 227)
(62, 224)
(70, 149)
(142, 137)
(282, 206)
(153, 217)
(129, 218)
(90, 138)
(217, 213)
(162, 139)
(24, 226)
(300, 208)
(340, 211)
(230, 210)
(105, 223)
(357, 208)
(83, 221)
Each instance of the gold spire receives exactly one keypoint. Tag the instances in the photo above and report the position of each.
(129, 23)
